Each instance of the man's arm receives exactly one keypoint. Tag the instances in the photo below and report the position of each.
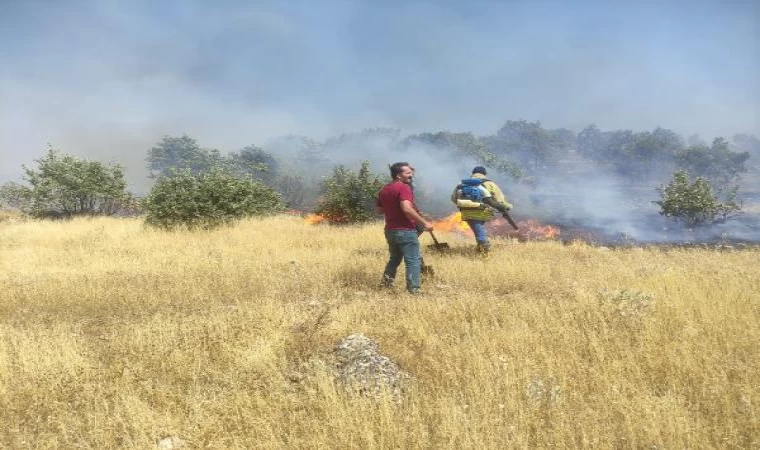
(408, 208)
(498, 197)
(501, 207)
(500, 203)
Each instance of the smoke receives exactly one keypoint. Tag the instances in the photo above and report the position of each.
(107, 79)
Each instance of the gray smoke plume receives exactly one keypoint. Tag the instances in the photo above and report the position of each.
(107, 79)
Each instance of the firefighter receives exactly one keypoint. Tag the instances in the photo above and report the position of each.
(477, 197)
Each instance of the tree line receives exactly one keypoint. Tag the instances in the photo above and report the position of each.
(201, 187)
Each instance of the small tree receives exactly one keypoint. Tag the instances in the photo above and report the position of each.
(717, 162)
(528, 141)
(695, 203)
(207, 200)
(348, 196)
(254, 162)
(181, 153)
(63, 185)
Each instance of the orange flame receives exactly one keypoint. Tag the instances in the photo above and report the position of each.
(452, 223)
(313, 219)
(530, 229)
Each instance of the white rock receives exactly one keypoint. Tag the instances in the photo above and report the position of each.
(170, 443)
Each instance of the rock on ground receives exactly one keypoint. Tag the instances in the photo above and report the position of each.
(361, 368)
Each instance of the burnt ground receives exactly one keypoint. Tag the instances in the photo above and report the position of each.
(622, 215)
(729, 235)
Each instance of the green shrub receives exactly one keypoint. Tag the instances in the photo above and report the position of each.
(694, 203)
(63, 186)
(207, 200)
(348, 196)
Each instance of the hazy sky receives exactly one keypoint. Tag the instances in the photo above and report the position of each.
(106, 78)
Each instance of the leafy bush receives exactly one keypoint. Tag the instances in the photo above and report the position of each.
(694, 203)
(207, 200)
(63, 185)
(348, 196)
(15, 196)
(176, 153)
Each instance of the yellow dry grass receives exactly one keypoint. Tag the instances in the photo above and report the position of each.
(114, 335)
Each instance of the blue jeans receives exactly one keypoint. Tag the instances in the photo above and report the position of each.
(404, 245)
(479, 228)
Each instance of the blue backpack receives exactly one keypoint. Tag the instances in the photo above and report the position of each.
(471, 189)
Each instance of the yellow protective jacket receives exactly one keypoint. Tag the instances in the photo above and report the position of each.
(483, 213)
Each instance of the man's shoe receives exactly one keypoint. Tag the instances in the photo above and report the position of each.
(386, 282)
(416, 291)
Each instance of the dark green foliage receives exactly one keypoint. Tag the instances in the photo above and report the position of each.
(716, 163)
(63, 185)
(694, 203)
(529, 144)
(255, 162)
(527, 141)
(630, 154)
(178, 153)
(205, 200)
(348, 196)
(174, 153)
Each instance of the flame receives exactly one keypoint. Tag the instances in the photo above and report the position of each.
(452, 223)
(530, 229)
(313, 219)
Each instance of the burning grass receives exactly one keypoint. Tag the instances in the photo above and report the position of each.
(529, 230)
(113, 335)
(313, 219)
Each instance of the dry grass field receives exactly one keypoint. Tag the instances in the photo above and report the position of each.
(116, 336)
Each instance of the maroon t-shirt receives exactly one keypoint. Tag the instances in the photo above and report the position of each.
(389, 199)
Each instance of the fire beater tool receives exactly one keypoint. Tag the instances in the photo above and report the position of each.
(438, 245)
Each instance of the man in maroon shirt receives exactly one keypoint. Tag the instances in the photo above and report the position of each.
(396, 202)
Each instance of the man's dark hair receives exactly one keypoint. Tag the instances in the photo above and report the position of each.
(396, 168)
